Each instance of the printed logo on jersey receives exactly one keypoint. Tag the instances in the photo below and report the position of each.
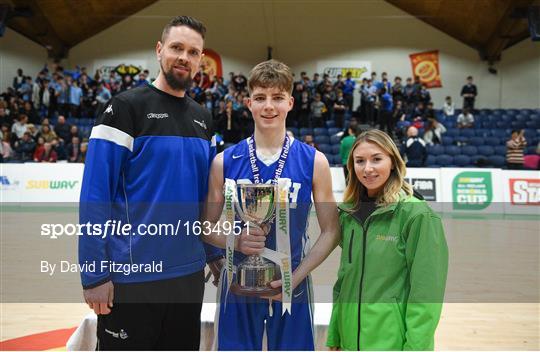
(157, 116)
(109, 110)
(202, 124)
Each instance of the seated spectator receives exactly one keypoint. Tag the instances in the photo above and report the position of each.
(60, 149)
(45, 154)
(84, 149)
(415, 149)
(31, 128)
(47, 134)
(449, 107)
(62, 129)
(28, 110)
(24, 148)
(19, 127)
(39, 148)
(308, 139)
(433, 132)
(74, 132)
(74, 150)
(465, 119)
(514, 150)
(429, 112)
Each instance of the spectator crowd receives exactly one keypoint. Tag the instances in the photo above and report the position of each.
(30, 106)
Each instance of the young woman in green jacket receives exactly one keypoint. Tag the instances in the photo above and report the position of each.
(394, 259)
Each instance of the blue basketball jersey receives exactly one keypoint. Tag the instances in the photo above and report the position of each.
(299, 169)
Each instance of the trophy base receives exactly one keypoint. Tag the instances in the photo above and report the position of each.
(254, 291)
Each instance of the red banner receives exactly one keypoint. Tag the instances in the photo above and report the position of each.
(426, 66)
(211, 63)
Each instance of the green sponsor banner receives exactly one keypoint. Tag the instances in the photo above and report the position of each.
(472, 190)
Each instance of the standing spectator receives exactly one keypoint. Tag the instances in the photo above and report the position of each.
(469, 93)
(239, 82)
(433, 132)
(424, 95)
(385, 116)
(75, 98)
(371, 100)
(340, 106)
(348, 90)
(514, 150)
(19, 79)
(339, 84)
(415, 149)
(409, 93)
(303, 117)
(345, 148)
(103, 95)
(329, 99)
(62, 129)
(449, 107)
(465, 119)
(397, 89)
(26, 89)
(143, 79)
(317, 109)
(46, 95)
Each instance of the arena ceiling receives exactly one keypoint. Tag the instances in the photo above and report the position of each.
(489, 26)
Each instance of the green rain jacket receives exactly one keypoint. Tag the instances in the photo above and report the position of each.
(395, 264)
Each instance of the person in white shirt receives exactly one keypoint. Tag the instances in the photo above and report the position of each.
(449, 107)
(465, 119)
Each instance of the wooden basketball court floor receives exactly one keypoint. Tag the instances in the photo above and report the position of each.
(492, 294)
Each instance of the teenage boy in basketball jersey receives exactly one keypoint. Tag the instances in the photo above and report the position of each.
(240, 321)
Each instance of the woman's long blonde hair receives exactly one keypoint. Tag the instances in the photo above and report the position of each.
(395, 183)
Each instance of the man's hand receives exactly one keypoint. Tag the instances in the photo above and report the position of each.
(100, 298)
(215, 268)
(251, 240)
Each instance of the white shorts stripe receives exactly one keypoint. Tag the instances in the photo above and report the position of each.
(112, 134)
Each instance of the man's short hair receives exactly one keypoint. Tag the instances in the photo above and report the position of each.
(269, 74)
(469, 77)
(187, 21)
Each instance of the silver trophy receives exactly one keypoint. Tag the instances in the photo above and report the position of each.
(256, 205)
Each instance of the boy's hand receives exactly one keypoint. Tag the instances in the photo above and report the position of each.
(251, 240)
(275, 284)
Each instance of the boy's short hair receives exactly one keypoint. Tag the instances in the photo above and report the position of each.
(271, 73)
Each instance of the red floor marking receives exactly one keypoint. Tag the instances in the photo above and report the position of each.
(38, 342)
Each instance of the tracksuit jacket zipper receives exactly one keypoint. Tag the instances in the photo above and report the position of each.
(364, 241)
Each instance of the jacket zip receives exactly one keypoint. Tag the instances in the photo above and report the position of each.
(364, 241)
(350, 246)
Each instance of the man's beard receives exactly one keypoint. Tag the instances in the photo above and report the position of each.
(174, 82)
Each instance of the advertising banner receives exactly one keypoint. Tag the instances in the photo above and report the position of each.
(426, 66)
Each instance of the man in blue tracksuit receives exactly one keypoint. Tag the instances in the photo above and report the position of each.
(147, 166)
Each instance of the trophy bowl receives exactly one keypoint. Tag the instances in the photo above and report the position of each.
(255, 206)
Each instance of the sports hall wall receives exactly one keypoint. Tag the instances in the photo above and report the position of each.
(303, 35)
(17, 51)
